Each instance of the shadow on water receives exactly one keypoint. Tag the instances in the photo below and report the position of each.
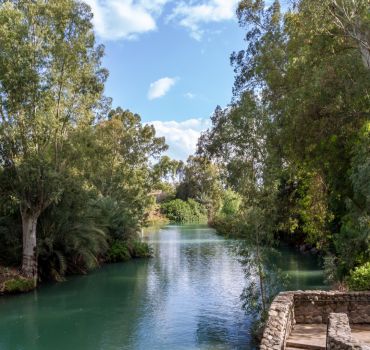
(186, 297)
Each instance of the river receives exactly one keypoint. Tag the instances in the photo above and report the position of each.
(187, 297)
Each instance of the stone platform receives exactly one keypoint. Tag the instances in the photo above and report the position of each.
(318, 320)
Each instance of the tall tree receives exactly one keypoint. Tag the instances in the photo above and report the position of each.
(301, 99)
(201, 182)
(51, 83)
(349, 19)
(118, 162)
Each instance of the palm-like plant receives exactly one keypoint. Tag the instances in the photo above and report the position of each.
(71, 239)
(69, 246)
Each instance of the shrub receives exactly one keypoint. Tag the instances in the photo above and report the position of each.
(198, 211)
(118, 252)
(141, 250)
(176, 210)
(227, 225)
(231, 202)
(181, 211)
(359, 278)
(68, 242)
(122, 251)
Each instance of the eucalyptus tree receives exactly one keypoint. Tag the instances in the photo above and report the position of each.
(51, 84)
(201, 182)
(293, 135)
(349, 19)
(118, 162)
(168, 170)
(353, 18)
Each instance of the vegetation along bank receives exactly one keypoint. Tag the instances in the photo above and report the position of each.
(287, 161)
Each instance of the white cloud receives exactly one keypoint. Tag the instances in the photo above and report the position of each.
(160, 87)
(192, 16)
(125, 19)
(190, 95)
(182, 137)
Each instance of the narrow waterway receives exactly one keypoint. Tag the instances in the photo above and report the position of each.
(186, 297)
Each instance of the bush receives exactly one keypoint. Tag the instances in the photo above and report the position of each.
(198, 211)
(231, 202)
(227, 225)
(141, 250)
(118, 252)
(18, 285)
(181, 211)
(359, 278)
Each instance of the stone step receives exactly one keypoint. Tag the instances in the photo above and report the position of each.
(299, 345)
(308, 336)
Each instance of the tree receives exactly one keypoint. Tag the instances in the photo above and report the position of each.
(345, 18)
(352, 17)
(286, 142)
(118, 162)
(168, 169)
(201, 182)
(51, 83)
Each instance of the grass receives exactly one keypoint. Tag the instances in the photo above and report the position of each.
(11, 281)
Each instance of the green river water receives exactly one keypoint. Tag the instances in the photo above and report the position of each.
(186, 297)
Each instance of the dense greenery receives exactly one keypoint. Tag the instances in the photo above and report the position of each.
(291, 153)
(295, 141)
(75, 175)
(289, 159)
(359, 278)
(181, 211)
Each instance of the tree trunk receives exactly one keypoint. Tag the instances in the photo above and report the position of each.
(29, 262)
(365, 54)
(363, 38)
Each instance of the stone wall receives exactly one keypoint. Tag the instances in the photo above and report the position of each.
(316, 306)
(339, 335)
(279, 323)
(289, 308)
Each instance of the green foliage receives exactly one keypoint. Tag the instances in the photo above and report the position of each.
(168, 170)
(18, 285)
(140, 249)
(294, 142)
(122, 251)
(51, 82)
(70, 238)
(231, 202)
(155, 219)
(359, 278)
(118, 252)
(74, 175)
(181, 211)
(115, 218)
(201, 182)
(265, 279)
(228, 225)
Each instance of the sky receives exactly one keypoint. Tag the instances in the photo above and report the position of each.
(169, 61)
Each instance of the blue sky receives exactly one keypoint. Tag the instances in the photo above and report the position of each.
(169, 61)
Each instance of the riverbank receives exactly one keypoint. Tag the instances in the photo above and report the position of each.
(12, 281)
